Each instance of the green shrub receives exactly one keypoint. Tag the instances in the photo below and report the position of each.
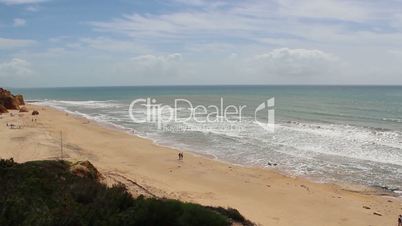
(46, 193)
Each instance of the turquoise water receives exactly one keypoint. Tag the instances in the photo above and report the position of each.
(327, 133)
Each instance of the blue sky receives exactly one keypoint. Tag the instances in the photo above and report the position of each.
(178, 42)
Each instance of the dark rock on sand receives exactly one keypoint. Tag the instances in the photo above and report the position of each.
(24, 109)
(35, 112)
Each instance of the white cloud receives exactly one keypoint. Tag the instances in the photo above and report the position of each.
(153, 66)
(333, 9)
(14, 43)
(209, 4)
(210, 47)
(177, 26)
(21, 2)
(295, 62)
(150, 62)
(32, 8)
(192, 2)
(395, 53)
(279, 66)
(19, 22)
(286, 54)
(276, 21)
(15, 67)
(59, 39)
(113, 45)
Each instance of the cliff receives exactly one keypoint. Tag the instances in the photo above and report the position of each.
(8, 101)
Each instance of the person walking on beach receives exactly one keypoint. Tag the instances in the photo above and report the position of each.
(400, 220)
(180, 155)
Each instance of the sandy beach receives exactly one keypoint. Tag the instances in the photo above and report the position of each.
(264, 196)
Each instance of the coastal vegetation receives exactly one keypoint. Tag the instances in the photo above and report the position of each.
(62, 193)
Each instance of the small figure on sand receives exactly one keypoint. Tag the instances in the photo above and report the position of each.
(180, 155)
(400, 220)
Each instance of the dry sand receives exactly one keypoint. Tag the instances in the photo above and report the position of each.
(264, 196)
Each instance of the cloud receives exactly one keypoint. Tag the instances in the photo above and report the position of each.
(18, 22)
(15, 43)
(32, 8)
(59, 39)
(192, 2)
(275, 21)
(210, 47)
(395, 53)
(325, 9)
(295, 62)
(161, 63)
(21, 2)
(152, 58)
(177, 26)
(112, 45)
(153, 66)
(279, 66)
(206, 4)
(15, 67)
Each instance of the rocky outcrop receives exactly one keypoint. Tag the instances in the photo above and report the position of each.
(4, 92)
(3, 109)
(20, 99)
(24, 109)
(9, 101)
(85, 169)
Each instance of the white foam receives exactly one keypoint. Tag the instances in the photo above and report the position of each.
(392, 119)
(342, 140)
(87, 104)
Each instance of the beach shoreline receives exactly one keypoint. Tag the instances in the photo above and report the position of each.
(265, 196)
(344, 185)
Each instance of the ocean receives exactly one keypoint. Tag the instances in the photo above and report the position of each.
(340, 134)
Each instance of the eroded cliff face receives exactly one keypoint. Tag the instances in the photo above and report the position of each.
(8, 101)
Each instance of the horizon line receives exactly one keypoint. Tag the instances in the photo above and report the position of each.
(208, 85)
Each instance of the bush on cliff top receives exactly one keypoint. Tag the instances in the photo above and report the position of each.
(47, 193)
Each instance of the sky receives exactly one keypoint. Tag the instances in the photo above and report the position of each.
(54, 43)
